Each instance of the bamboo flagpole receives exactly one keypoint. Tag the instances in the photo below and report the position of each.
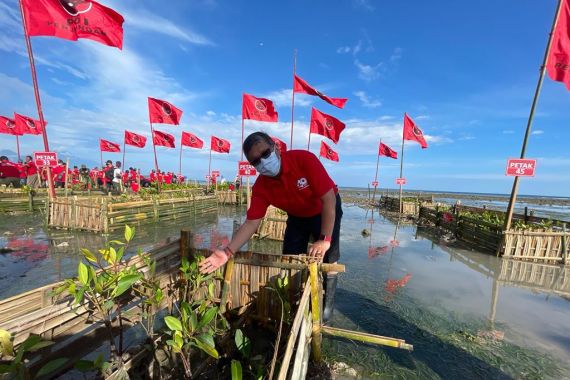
(124, 150)
(153, 145)
(514, 191)
(309, 143)
(401, 171)
(242, 135)
(37, 96)
(101, 153)
(293, 97)
(209, 169)
(375, 184)
(18, 146)
(180, 159)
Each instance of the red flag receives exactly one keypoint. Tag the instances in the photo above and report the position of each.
(326, 125)
(385, 150)
(219, 145)
(558, 64)
(162, 112)
(27, 125)
(328, 153)
(191, 140)
(163, 139)
(134, 139)
(8, 126)
(107, 146)
(413, 132)
(258, 109)
(299, 85)
(74, 19)
(282, 145)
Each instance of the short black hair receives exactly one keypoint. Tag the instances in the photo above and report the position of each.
(254, 138)
(2, 158)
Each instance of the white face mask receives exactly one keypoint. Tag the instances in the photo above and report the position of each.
(269, 166)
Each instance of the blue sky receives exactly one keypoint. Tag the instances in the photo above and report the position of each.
(465, 71)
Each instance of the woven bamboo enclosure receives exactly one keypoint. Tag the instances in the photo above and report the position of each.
(537, 246)
(227, 197)
(408, 207)
(99, 214)
(541, 277)
(273, 225)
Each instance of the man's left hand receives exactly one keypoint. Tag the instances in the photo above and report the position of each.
(319, 248)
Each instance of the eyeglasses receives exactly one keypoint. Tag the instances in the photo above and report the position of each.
(264, 155)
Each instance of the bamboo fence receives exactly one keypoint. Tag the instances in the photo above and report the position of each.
(537, 246)
(541, 277)
(101, 215)
(226, 197)
(408, 207)
(273, 225)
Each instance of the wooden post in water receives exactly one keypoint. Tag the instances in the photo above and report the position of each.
(564, 247)
(494, 300)
(316, 312)
(186, 243)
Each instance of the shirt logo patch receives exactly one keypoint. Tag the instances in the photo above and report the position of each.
(302, 183)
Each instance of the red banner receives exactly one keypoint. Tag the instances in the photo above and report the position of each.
(300, 86)
(162, 112)
(163, 139)
(8, 126)
(328, 153)
(246, 169)
(219, 145)
(558, 65)
(74, 19)
(108, 146)
(281, 144)
(259, 109)
(191, 140)
(27, 125)
(413, 132)
(326, 125)
(135, 139)
(385, 150)
(42, 159)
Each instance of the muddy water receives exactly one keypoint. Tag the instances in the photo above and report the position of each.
(450, 303)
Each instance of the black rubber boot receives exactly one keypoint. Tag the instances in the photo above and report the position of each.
(330, 288)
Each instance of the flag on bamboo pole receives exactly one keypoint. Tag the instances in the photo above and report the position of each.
(326, 125)
(413, 132)
(328, 153)
(259, 109)
(74, 19)
(8, 126)
(558, 65)
(108, 146)
(28, 126)
(303, 87)
(191, 140)
(281, 144)
(219, 145)
(134, 139)
(162, 112)
(163, 139)
(385, 150)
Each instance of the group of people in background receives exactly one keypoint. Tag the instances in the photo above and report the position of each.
(110, 178)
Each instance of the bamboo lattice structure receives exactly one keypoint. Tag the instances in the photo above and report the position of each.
(273, 225)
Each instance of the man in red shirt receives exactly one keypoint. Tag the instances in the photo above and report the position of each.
(296, 182)
(32, 179)
(9, 173)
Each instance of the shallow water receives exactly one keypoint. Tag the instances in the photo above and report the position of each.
(398, 283)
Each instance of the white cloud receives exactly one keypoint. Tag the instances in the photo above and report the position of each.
(422, 117)
(367, 101)
(537, 132)
(396, 55)
(282, 98)
(344, 50)
(368, 72)
(364, 4)
(508, 132)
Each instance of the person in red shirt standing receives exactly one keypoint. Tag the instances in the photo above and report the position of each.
(9, 173)
(32, 179)
(296, 182)
(168, 178)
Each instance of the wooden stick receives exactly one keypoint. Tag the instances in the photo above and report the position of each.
(316, 312)
(367, 338)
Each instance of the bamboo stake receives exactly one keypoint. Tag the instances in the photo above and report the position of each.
(316, 312)
(227, 285)
(368, 338)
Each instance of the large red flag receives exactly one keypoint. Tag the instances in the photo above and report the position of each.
(27, 125)
(260, 109)
(385, 150)
(304, 88)
(107, 146)
(8, 126)
(74, 19)
(328, 153)
(163, 139)
(219, 145)
(326, 125)
(162, 112)
(413, 132)
(558, 64)
(135, 139)
(282, 145)
(191, 140)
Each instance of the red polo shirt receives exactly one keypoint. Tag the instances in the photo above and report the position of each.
(297, 190)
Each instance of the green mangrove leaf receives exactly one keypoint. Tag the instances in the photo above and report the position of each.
(237, 372)
(173, 323)
(51, 366)
(206, 343)
(6, 345)
(125, 283)
(243, 343)
(82, 273)
(88, 255)
(129, 233)
(207, 318)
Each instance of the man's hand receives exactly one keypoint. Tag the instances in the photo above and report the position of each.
(319, 248)
(216, 260)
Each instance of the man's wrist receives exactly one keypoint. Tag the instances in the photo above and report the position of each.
(228, 251)
(325, 238)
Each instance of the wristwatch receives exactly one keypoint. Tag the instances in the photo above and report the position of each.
(325, 238)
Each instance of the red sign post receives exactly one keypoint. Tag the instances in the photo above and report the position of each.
(517, 167)
(215, 173)
(246, 169)
(45, 159)
(375, 184)
(400, 181)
